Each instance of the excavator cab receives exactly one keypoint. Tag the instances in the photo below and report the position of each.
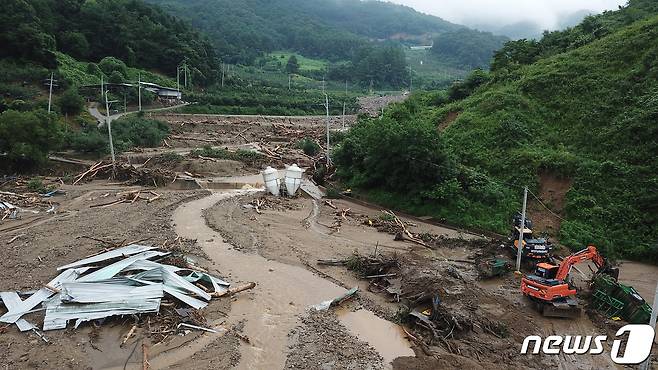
(546, 270)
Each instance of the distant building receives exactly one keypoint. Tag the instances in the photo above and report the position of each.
(163, 92)
(167, 93)
(422, 47)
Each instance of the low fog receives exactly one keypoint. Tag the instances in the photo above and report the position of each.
(546, 14)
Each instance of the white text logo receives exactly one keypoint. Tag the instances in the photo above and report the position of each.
(637, 349)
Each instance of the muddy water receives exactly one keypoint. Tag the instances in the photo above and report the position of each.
(272, 309)
(384, 336)
(640, 276)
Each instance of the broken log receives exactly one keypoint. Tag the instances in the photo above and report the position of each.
(232, 291)
(130, 334)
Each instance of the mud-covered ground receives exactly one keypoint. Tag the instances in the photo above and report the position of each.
(30, 261)
(296, 231)
(278, 247)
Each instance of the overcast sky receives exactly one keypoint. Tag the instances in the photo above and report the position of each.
(542, 12)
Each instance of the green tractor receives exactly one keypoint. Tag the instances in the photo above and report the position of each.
(494, 267)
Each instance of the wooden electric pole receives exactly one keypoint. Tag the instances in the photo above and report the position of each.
(50, 92)
(519, 248)
(139, 90)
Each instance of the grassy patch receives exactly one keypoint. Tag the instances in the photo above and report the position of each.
(305, 64)
(240, 155)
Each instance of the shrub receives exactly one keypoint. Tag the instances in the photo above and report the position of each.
(139, 132)
(70, 102)
(247, 156)
(36, 185)
(89, 141)
(26, 138)
(111, 64)
(310, 147)
(172, 157)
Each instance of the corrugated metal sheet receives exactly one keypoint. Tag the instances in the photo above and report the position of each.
(190, 301)
(100, 292)
(111, 290)
(120, 252)
(91, 301)
(12, 301)
(110, 271)
(171, 279)
(41, 295)
(192, 276)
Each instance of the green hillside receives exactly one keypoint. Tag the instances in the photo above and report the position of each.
(332, 29)
(139, 34)
(588, 114)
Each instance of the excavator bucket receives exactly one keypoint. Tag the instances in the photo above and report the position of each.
(610, 271)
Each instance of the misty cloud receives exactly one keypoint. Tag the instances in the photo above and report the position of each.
(545, 13)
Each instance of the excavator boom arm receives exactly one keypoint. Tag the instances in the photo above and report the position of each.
(589, 253)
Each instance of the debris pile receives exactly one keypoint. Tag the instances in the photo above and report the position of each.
(130, 197)
(388, 222)
(438, 299)
(123, 281)
(279, 204)
(128, 174)
(12, 204)
(373, 105)
(381, 271)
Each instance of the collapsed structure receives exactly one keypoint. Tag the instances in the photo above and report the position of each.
(124, 281)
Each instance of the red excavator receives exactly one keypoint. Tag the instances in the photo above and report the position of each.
(549, 289)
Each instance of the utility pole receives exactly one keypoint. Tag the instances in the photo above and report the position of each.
(289, 82)
(178, 78)
(223, 68)
(522, 228)
(646, 365)
(50, 93)
(139, 90)
(109, 132)
(185, 66)
(326, 104)
(344, 104)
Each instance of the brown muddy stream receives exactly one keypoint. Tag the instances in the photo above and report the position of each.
(271, 310)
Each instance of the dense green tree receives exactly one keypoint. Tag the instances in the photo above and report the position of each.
(22, 34)
(70, 102)
(109, 65)
(467, 48)
(26, 138)
(293, 65)
(129, 30)
(116, 78)
(462, 89)
(74, 44)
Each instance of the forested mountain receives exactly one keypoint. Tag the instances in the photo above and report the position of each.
(592, 28)
(333, 29)
(131, 30)
(579, 105)
(466, 48)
